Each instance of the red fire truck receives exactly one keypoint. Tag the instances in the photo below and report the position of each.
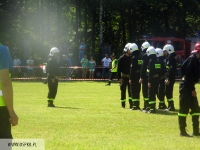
(182, 47)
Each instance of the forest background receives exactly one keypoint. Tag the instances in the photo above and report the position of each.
(34, 26)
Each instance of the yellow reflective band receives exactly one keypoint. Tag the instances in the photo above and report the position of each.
(182, 115)
(2, 101)
(152, 102)
(123, 100)
(135, 100)
(161, 102)
(51, 99)
(139, 62)
(170, 99)
(146, 99)
(195, 114)
(130, 98)
(157, 66)
(167, 67)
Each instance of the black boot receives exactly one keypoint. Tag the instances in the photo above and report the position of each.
(136, 105)
(182, 125)
(130, 103)
(152, 109)
(195, 123)
(123, 104)
(50, 103)
(109, 82)
(146, 106)
(162, 105)
(170, 106)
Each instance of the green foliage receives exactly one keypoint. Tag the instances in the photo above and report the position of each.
(89, 117)
(68, 22)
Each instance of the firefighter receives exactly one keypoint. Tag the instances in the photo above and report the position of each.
(52, 75)
(153, 78)
(188, 96)
(161, 86)
(123, 73)
(170, 75)
(113, 70)
(143, 74)
(136, 63)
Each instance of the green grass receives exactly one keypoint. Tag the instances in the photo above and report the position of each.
(89, 117)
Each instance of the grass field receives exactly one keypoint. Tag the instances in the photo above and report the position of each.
(89, 117)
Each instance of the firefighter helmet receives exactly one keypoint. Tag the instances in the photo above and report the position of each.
(133, 47)
(145, 45)
(159, 52)
(196, 48)
(169, 48)
(151, 50)
(126, 48)
(53, 51)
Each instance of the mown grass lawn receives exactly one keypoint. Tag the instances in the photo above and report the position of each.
(89, 117)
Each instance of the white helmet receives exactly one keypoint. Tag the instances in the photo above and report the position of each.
(169, 48)
(53, 51)
(159, 52)
(126, 48)
(151, 50)
(133, 47)
(145, 45)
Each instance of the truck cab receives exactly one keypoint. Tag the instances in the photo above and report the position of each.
(178, 43)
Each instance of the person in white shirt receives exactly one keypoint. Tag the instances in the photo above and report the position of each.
(106, 62)
(30, 64)
(16, 64)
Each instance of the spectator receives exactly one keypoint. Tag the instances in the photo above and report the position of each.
(92, 64)
(106, 61)
(16, 64)
(30, 64)
(84, 62)
(81, 50)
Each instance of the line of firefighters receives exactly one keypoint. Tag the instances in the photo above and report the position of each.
(154, 69)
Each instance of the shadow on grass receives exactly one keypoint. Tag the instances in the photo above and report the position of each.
(163, 112)
(66, 107)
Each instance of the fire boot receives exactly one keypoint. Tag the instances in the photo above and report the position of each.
(123, 103)
(108, 84)
(170, 106)
(130, 103)
(162, 105)
(152, 109)
(146, 104)
(182, 125)
(50, 103)
(195, 123)
(136, 105)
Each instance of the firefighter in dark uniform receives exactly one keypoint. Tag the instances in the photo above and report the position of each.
(161, 86)
(136, 63)
(170, 75)
(52, 75)
(188, 96)
(123, 74)
(153, 78)
(143, 74)
(113, 70)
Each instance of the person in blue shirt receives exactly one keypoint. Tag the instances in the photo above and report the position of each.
(8, 116)
(85, 63)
